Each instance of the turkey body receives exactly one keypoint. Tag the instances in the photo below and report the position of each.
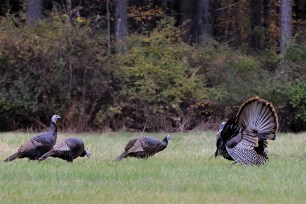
(68, 150)
(144, 147)
(244, 138)
(38, 145)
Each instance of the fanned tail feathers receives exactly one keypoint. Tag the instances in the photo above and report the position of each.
(259, 117)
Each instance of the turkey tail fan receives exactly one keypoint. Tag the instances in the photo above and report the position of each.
(46, 155)
(12, 157)
(123, 155)
(257, 116)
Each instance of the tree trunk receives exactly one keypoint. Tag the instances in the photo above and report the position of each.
(33, 11)
(187, 15)
(256, 36)
(4, 7)
(108, 28)
(286, 24)
(266, 12)
(121, 28)
(205, 21)
(196, 20)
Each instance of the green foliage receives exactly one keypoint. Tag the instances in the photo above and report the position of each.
(156, 69)
(295, 52)
(233, 76)
(156, 73)
(52, 67)
(292, 93)
(295, 59)
(28, 64)
(160, 84)
(296, 93)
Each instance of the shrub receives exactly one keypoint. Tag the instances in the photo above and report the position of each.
(232, 77)
(158, 78)
(52, 67)
(160, 84)
(296, 91)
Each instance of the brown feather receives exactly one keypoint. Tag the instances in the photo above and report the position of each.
(32, 144)
(69, 149)
(138, 146)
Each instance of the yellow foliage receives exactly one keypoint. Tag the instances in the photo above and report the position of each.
(141, 14)
(65, 16)
(80, 20)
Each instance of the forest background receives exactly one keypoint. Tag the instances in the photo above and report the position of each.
(155, 65)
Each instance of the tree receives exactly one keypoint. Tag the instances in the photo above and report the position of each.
(121, 28)
(33, 11)
(256, 26)
(205, 21)
(196, 20)
(229, 26)
(286, 24)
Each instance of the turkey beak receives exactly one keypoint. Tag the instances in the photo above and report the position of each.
(87, 154)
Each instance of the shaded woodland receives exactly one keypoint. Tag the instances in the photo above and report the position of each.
(156, 65)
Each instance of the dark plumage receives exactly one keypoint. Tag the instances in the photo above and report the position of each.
(68, 150)
(39, 144)
(244, 138)
(144, 147)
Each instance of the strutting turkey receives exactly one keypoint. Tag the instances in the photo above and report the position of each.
(68, 150)
(244, 138)
(39, 144)
(144, 147)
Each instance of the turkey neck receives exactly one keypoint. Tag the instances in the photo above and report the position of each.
(53, 128)
(165, 140)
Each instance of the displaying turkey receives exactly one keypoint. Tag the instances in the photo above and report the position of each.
(244, 138)
(144, 147)
(68, 150)
(39, 144)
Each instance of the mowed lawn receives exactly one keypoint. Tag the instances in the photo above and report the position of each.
(185, 172)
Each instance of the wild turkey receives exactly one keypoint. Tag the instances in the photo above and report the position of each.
(68, 150)
(144, 147)
(39, 144)
(244, 138)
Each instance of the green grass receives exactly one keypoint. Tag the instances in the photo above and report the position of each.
(185, 172)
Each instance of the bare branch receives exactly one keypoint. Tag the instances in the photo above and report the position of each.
(226, 7)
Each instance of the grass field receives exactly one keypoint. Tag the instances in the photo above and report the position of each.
(185, 172)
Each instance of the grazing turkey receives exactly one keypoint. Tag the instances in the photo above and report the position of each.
(144, 147)
(244, 138)
(68, 150)
(39, 144)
